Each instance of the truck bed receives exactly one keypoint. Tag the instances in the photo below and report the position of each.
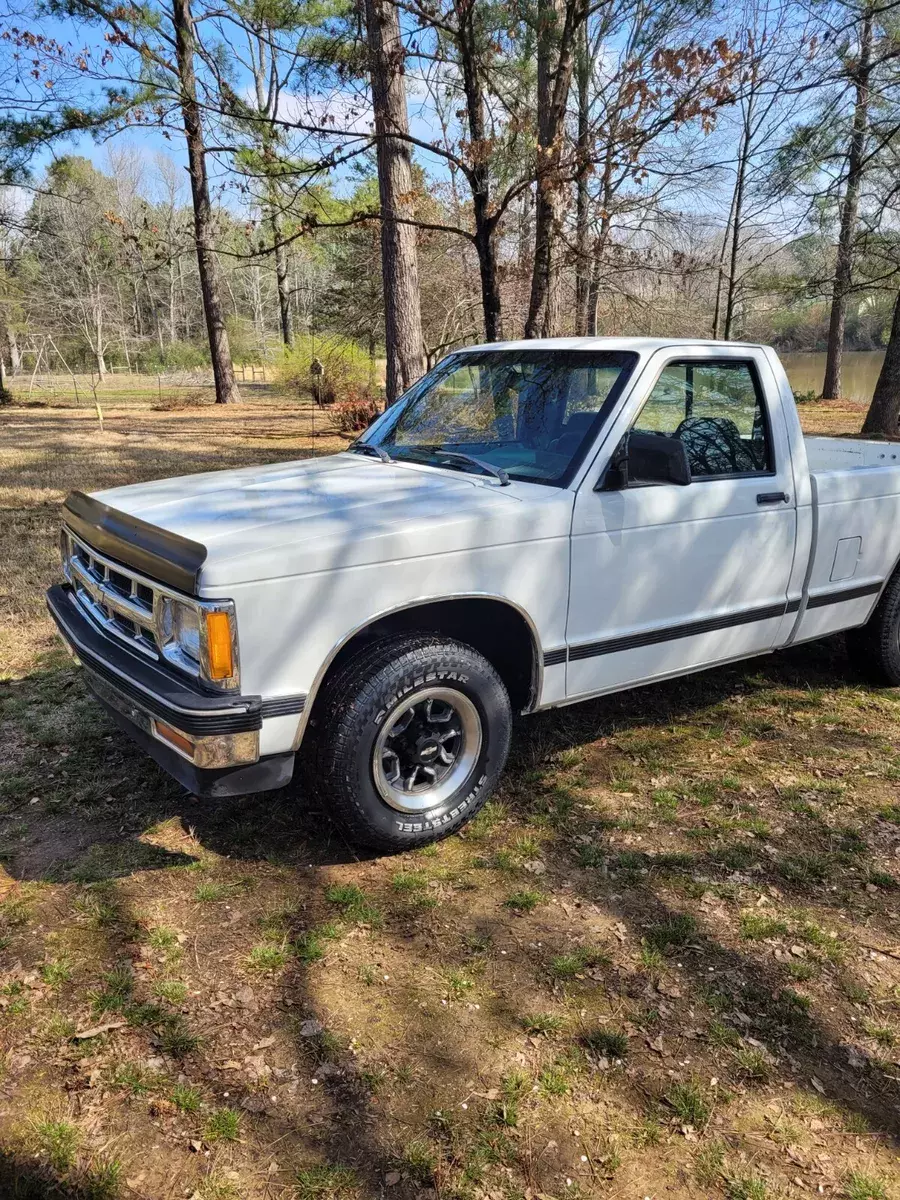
(855, 530)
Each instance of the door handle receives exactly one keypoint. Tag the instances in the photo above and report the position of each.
(772, 498)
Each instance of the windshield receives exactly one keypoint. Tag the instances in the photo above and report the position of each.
(531, 413)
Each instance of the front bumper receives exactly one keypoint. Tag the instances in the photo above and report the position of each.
(210, 744)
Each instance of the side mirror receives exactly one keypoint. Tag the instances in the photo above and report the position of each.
(647, 458)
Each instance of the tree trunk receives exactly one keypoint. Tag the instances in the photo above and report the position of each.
(843, 274)
(281, 278)
(883, 416)
(399, 259)
(720, 271)
(15, 356)
(558, 24)
(479, 175)
(737, 215)
(210, 284)
(582, 198)
(101, 363)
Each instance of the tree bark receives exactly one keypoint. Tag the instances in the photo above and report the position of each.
(210, 283)
(399, 259)
(479, 175)
(281, 279)
(558, 25)
(883, 416)
(737, 215)
(843, 274)
(15, 357)
(582, 199)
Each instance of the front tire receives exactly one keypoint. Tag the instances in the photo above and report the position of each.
(408, 740)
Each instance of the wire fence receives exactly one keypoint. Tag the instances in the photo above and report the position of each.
(169, 389)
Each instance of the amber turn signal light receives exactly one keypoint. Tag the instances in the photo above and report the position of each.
(218, 645)
(174, 737)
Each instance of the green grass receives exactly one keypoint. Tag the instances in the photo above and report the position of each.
(210, 893)
(175, 1037)
(185, 1098)
(524, 901)
(406, 882)
(58, 1141)
(746, 1187)
(172, 990)
(458, 984)
(607, 1043)
(324, 1182)
(353, 903)
(709, 1164)
(672, 934)
(268, 957)
(116, 992)
(568, 966)
(311, 945)
(134, 1078)
(690, 1103)
(863, 1187)
(756, 926)
(56, 971)
(542, 1023)
(752, 1063)
(223, 1125)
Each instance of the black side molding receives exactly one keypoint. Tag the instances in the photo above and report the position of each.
(839, 597)
(168, 557)
(671, 633)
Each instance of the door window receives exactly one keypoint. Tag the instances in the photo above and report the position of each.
(716, 409)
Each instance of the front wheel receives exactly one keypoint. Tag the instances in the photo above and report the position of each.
(409, 740)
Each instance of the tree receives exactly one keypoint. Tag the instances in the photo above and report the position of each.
(151, 86)
(883, 417)
(219, 349)
(399, 262)
(559, 23)
(860, 72)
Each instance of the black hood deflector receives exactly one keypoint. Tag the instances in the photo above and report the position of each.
(165, 556)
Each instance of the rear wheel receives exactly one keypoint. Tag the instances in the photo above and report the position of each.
(875, 647)
(408, 740)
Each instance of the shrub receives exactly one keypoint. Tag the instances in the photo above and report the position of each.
(356, 412)
(346, 367)
(809, 396)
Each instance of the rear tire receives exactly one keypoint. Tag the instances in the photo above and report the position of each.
(408, 740)
(875, 646)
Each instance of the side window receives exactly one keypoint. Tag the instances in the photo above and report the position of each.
(715, 408)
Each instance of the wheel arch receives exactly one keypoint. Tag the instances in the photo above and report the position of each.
(496, 626)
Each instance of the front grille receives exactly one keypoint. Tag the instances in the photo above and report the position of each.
(120, 602)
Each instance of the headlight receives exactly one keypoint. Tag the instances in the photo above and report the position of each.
(200, 638)
(180, 629)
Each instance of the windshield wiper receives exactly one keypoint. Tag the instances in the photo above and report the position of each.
(370, 448)
(487, 467)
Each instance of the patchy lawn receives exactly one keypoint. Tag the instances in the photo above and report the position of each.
(664, 961)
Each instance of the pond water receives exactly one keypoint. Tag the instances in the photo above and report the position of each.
(859, 372)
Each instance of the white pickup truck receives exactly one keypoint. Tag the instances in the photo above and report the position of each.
(532, 524)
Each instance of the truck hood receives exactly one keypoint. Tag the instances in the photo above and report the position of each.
(344, 510)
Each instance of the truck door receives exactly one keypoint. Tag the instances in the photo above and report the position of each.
(666, 577)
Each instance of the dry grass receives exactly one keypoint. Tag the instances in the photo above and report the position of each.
(704, 1000)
